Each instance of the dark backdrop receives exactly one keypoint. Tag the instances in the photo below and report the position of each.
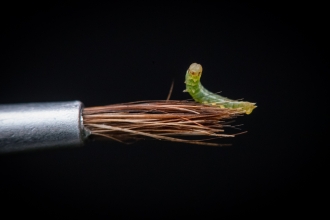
(272, 54)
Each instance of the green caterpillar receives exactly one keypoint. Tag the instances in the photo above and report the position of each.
(202, 95)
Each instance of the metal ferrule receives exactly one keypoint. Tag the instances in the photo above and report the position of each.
(40, 125)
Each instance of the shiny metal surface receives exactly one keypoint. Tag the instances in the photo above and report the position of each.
(40, 125)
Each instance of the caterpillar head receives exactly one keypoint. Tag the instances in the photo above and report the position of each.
(195, 71)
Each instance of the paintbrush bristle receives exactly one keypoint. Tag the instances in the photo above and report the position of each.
(178, 121)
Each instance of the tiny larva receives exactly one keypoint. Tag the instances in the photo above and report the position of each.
(202, 95)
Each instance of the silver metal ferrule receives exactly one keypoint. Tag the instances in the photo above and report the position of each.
(40, 125)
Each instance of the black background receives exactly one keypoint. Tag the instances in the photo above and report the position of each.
(273, 54)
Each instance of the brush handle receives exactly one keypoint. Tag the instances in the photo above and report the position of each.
(40, 125)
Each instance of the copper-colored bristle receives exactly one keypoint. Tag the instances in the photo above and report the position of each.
(162, 120)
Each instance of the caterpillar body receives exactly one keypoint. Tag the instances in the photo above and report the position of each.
(202, 95)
